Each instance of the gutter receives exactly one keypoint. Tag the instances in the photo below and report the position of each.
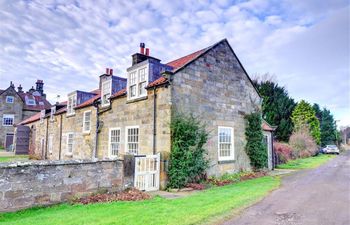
(154, 119)
(60, 148)
(46, 136)
(94, 151)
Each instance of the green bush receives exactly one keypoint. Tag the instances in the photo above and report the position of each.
(188, 157)
(304, 114)
(255, 147)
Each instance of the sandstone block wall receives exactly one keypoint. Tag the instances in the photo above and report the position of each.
(216, 89)
(7, 108)
(27, 184)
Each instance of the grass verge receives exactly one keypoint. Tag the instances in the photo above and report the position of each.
(13, 158)
(197, 208)
(306, 163)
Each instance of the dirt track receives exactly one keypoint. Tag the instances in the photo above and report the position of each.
(319, 196)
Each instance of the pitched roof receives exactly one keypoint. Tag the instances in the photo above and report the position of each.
(37, 107)
(119, 93)
(159, 81)
(31, 119)
(267, 127)
(88, 102)
(180, 62)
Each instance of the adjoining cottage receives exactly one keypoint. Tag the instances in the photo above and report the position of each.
(17, 105)
(133, 115)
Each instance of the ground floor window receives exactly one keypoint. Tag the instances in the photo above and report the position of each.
(114, 142)
(225, 143)
(70, 141)
(50, 143)
(132, 140)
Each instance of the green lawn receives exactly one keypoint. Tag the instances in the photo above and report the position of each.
(306, 163)
(204, 206)
(13, 158)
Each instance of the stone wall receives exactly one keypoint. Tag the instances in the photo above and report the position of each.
(27, 184)
(216, 89)
(84, 142)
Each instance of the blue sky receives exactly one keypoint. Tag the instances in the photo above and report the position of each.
(68, 44)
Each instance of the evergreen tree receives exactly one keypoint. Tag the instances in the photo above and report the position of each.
(255, 147)
(277, 108)
(328, 128)
(318, 111)
(304, 114)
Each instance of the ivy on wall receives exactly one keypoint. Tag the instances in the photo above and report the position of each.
(255, 147)
(188, 160)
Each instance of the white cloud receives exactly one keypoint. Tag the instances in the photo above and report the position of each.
(64, 42)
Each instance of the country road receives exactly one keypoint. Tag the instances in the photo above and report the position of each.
(312, 197)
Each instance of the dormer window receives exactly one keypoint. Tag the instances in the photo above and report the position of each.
(137, 82)
(52, 113)
(106, 92)
(42, 115)
(30, 101)
(72, 103)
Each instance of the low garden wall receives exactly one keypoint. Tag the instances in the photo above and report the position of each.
(33, 183)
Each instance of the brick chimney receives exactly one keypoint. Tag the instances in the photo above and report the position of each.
(40, 86)
(142, 55)
(20, 89)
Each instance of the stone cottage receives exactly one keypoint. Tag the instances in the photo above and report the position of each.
(17, 105)
(133, 115)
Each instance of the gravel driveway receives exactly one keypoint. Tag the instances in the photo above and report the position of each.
(319, 196)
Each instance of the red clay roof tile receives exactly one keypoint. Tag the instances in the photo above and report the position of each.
(180, 62)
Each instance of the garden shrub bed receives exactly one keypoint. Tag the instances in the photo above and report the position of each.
(131, 194)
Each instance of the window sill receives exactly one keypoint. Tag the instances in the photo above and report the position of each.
(136, 99)
(226, 161)
(85, 133)
(70, 115)
(69, 155)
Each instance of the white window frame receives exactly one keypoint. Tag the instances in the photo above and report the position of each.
(42, 115)
(30, 101)
(8, 116)
(10, 101)
(50, 143)
(232, 150)
(71, 104)
(106, 94)
(68, 152)
(137, 82)
(52, 113)
(110, 142)
(127, 128)
(87, 131)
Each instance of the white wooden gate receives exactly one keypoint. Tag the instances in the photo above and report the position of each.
(147, 172)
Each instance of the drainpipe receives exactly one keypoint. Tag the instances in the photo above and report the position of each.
(46, 137)
(94, 152)
(60, 145)
(154, 119)
(273, 152)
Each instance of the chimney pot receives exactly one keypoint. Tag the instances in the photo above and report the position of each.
(110, 71)
(142, 48)
(147, 51)
(107, 70)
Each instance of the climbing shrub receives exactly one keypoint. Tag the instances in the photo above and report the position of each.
(188, 160)
(255, 147)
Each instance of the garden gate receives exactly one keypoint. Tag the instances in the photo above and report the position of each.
(147, 170)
